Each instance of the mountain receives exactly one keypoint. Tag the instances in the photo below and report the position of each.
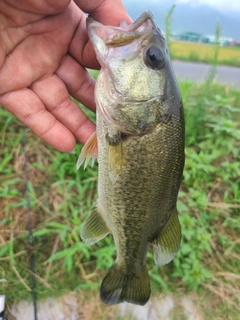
(188, 17)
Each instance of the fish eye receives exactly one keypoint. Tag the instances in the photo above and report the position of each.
(154, 58)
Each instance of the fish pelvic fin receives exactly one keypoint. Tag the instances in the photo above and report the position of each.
(89, 151)
(119, 286)
(167, 244)
(94, 228)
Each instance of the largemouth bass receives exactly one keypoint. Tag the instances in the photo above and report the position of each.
(140, 146)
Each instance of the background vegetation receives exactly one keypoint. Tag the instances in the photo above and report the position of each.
(61, 196)
(198, 52)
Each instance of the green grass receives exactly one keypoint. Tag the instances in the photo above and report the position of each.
(61, 197)
(199, 52)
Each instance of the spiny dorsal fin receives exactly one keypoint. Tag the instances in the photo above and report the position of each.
(167, 244)
(89, 151)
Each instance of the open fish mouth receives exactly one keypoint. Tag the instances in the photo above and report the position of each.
(144, 27)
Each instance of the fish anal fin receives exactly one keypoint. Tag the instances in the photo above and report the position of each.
(167, 244)
(119, 286)
(89, 151)
(94, 228)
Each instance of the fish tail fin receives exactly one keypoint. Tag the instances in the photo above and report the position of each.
(119, 286)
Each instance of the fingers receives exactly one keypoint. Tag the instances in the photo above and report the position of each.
(29, 109)
(81, 48)
(29, 61)
(36, 50)
(49, 112)
(78, 81)
(108, 12)
(35, 6)
(44, 105)
(55, 97)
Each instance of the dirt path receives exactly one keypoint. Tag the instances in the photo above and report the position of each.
(73, 307)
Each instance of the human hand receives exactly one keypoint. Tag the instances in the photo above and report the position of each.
(43, 55)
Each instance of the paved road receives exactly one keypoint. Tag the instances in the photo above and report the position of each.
(198, 72)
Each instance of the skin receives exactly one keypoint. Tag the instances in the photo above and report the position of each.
(44, 53)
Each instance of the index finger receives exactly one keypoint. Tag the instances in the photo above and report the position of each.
(30, 110)
(108, 12)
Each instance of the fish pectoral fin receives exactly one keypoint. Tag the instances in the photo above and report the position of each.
(115, 156)
(114, 162)
(94, 228)
(89, 151)
(167, 244)
(119, 286)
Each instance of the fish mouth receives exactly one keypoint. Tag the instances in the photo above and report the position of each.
(103, 37)
(125, 34)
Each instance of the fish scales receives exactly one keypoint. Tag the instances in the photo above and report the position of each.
(137, 196)
(140, 144)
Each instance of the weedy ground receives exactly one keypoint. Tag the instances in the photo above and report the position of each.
(208, 263)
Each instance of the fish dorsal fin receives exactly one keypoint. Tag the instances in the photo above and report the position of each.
(89, 151)
(94, 228)
(167, 244)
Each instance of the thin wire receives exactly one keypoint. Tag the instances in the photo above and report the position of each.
(30, 235)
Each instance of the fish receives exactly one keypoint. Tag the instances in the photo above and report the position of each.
(139, 144)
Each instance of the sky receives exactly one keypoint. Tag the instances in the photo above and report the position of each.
(221, 5)
(229, 5)
(192, 15)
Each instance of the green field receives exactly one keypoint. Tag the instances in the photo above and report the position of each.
(208, 263)
(198, 52)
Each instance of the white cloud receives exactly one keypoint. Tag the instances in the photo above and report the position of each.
(227, 5)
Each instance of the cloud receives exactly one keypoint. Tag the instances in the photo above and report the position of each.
(227, 5)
